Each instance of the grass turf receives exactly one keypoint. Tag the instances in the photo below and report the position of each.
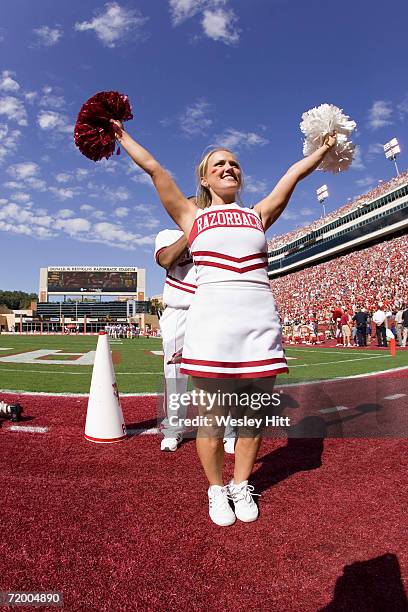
(138, 370)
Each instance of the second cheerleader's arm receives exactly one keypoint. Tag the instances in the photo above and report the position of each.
(168, 255)
(180, 209)
(271, 207)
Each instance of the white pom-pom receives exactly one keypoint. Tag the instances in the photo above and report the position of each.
(317, 123)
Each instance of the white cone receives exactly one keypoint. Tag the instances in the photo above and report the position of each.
(104, 418)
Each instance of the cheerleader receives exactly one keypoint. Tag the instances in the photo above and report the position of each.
(233, 340)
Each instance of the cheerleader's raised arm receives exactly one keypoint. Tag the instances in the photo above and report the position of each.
(271, 207)
(180, 209)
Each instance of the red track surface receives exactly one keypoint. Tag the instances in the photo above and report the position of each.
(125, 527)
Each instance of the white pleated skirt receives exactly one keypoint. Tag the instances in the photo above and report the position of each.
(233, 331)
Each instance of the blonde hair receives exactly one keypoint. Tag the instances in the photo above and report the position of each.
(203, 196)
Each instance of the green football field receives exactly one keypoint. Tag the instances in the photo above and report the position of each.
(27, 363)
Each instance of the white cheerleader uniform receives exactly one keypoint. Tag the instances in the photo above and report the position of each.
(178, 293)
(233, 330)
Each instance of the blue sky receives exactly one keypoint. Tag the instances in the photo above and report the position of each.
(197, 72)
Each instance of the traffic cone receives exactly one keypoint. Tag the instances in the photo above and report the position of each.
(104, 418)
(393, 347)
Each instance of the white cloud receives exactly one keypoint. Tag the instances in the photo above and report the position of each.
(7, 83)
(92, 211)
(47, 36)
(8, 141)
(145, 216)
(114, 235)
(180, 10)
(23, 170)
(36, 183)
(288, 215)
(234, 139)
(113, 25)
(121, 212)
(366, 182)
(63, 193)
(375, 148)
(20, 197)
(81, 173)
(120, 194)
(194, 119)
(306, 211)
(138, 175)
(358, 163)
(380, 114)
(63, 177)
(50, 99)
(30, 96)
(217, 20)
(254, 185)
(51, 120)
(220, 25)
(75, 226)
(20, 220)
(87, 208)
(143, 179)
(13, 109)
(65, 213)
(403, 108)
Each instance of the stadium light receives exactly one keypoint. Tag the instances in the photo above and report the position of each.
(322, 193)
(391, 150)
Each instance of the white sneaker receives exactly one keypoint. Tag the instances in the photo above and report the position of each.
(170, 444)
(229, 445)
(245, 507)
(221, 512)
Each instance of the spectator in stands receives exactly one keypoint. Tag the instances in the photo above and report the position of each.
(404, 327)
(345, 328)
(361, 318)
(380, 319)
(398, 324)
(365, 277)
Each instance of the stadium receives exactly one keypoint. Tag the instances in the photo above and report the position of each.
(203, 306)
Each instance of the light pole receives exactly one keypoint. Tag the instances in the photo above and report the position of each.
(391, 150)
(322, 193)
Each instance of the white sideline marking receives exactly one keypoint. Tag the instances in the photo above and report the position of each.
(74, 373)
(28, 428)
(160, 353)
(396, 396)
(338, 352)
(4, 348)
(56, 394)
(143, 432)
(320, 363)
(333, 409)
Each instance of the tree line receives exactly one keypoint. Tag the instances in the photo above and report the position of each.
(16, 300)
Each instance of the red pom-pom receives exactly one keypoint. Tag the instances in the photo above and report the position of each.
(94, 133)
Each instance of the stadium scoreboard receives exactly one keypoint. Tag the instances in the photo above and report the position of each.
(91, 280)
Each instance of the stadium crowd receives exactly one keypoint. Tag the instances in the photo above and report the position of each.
(279, 241)
(366, 278)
